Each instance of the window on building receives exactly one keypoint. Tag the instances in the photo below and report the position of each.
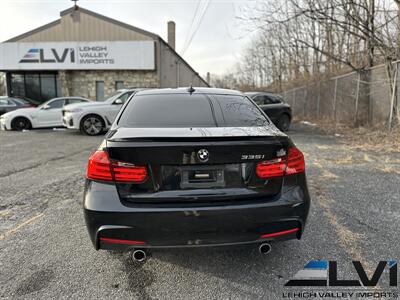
(36, 86)
(99, 90)
(48, 86)
(33, 82)
(119, 85)
(17, 84)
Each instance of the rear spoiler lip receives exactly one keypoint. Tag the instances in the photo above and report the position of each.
(187, 134)
(195, 139)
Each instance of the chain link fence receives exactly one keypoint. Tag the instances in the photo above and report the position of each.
(357, 98)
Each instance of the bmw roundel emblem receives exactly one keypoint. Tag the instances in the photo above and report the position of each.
(203, 155)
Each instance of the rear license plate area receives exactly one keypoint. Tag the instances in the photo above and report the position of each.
(202, 177)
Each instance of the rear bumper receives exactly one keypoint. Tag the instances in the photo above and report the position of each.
(112, 225)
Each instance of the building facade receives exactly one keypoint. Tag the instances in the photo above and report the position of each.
(87, 54)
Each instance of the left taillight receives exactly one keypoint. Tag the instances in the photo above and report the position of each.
(293, 163)
(101, 167)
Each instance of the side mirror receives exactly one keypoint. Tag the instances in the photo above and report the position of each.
(118, 101)
(46, 107)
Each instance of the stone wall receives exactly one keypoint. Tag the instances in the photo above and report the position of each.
(83, 83)
(2, 84)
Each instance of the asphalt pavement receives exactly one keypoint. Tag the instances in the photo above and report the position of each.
(45, 251)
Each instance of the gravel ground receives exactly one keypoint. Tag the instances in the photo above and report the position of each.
(45, 250)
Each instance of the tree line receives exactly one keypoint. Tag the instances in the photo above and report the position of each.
(302, 40)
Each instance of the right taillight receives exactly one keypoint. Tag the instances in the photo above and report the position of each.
(102, 168)
(292, 164)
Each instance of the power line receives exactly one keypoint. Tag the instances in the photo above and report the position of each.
(191, 24)
(197, 26)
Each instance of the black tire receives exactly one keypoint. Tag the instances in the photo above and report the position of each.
(21, 123)
(283, 123)
(92, 125)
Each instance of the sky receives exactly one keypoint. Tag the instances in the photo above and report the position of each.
(215, 47)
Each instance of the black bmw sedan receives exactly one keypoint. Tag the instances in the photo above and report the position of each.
(192, 168)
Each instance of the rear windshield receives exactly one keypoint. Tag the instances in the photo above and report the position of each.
(196, 110)
(239, 111)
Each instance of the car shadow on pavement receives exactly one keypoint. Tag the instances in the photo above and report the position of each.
(242, 266)
(139, 278)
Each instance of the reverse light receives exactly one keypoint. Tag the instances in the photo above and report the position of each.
(101, 167)
(292, 164)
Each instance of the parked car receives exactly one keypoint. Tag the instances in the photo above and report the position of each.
(34, 103)
(273, 105)
(47, 114)
(8, 104)
(95, 117)
(194, 167)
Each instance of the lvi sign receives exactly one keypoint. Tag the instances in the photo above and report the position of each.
(325, 273)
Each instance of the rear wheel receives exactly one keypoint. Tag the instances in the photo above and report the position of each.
(283, 122)
(21, 123)
(92, 125)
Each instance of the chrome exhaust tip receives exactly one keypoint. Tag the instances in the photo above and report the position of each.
(265, 248)
(139, 255)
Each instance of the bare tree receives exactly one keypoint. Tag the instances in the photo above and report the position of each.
(302, 40)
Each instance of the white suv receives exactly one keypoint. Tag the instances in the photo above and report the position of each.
(95, 117)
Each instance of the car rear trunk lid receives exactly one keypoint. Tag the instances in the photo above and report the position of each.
(197, 165)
